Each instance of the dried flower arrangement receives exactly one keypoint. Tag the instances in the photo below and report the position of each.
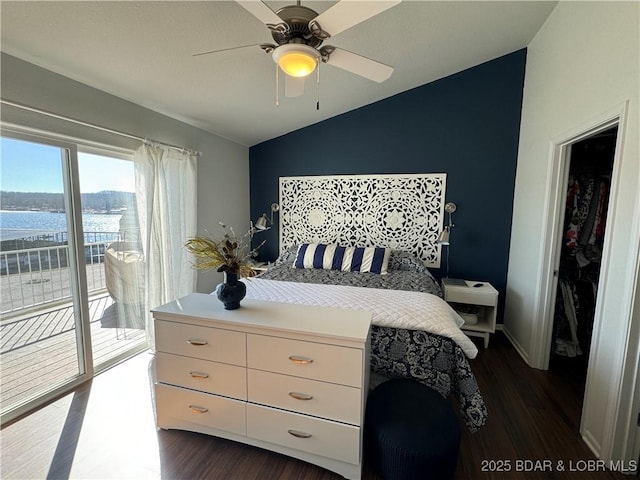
(226, 253)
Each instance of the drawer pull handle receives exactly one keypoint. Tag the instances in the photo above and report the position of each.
(300, 396)
(197, 409)
(299, 434)
(198, 342)
(199, 375)
(300, 360)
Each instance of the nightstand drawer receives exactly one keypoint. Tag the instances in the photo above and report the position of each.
(466, 297)
(317, 361)
(210, 377)
(201, 342)
(485, 295)
(320, 399)
(181, 408)
(313, 435)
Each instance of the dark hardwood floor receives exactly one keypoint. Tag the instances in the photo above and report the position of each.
(105, 430)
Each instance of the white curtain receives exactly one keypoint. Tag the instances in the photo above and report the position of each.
(166, 203)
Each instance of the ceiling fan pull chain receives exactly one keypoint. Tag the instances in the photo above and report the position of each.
(318, 85)
(277, 88)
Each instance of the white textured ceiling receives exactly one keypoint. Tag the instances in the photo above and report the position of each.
(142, 51)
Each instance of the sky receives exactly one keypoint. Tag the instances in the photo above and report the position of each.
(32, 167)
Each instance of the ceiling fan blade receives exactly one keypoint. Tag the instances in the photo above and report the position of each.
(363, 66)
(347, 13)
(293, 86)
(224, 49)
(261, 11)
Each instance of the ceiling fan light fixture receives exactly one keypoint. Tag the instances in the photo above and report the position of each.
(296, 60)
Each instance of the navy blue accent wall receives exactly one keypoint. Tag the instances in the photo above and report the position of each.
(465, 125)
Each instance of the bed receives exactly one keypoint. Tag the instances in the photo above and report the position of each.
(415, 334)
(439, 360)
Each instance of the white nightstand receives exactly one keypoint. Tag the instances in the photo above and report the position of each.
(483, 297)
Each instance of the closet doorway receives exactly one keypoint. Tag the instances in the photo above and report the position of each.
(588, 173)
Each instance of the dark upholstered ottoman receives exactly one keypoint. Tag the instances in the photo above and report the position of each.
(411, 432)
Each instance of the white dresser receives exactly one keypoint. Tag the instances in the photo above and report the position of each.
(288, 378)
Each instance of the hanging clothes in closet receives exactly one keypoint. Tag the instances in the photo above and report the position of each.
(585, 222)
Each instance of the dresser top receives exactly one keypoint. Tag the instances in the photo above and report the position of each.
(329, 322)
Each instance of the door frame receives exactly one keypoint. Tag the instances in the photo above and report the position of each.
(632, 424)
(71, 177)
(614, 442)
(78, 279)
(555, 207)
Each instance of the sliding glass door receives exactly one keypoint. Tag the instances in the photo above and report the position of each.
(43, 339)
(114, 263)
(71, 267)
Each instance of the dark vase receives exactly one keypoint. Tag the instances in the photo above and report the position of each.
(231, 291)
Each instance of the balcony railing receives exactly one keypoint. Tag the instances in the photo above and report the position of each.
(39, 321)
(40, 275)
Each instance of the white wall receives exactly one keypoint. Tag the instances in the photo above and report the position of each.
(582, 63)
(223, 168)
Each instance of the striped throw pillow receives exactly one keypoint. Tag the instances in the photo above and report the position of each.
(347, 259)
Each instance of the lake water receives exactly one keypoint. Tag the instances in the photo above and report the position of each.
(19, 224)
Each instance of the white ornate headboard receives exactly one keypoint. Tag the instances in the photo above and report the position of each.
(402, 212)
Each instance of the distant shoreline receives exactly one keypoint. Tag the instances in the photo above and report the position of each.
(106, 202)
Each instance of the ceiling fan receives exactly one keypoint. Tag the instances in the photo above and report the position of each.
(299, 33)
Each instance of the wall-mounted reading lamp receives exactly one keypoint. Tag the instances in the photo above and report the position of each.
(443, 239)
(263, 222)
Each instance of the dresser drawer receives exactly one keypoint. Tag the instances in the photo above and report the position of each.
(201, 342)
(181, 408)
(316, 361)
(203, 375)
(313, 435)
(320, 399)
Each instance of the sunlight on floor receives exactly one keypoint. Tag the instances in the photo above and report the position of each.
(120, 424)
(112, 414)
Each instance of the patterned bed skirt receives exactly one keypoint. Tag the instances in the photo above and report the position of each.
(430, 359)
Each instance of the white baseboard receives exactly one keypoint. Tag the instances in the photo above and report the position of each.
(521, 351)
(592, 443)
